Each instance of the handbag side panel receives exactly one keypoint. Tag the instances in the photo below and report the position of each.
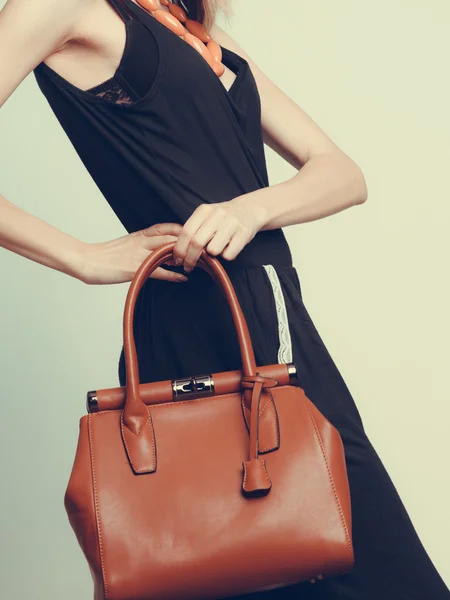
(80, 506)
(335, 457)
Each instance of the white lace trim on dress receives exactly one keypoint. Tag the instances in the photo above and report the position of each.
(284, 334)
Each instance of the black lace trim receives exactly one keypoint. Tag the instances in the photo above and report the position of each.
(112, 91)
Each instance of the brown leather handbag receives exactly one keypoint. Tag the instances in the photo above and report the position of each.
(211, 486)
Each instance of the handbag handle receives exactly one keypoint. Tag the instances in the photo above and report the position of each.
(136, 422)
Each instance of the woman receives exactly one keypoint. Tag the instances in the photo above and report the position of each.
(177, 149)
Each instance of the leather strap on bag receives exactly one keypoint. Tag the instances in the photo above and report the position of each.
(136, 422)
(256, 479)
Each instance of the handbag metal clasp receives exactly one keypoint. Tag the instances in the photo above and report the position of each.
(192, 387)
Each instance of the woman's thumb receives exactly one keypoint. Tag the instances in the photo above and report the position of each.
(162, 229)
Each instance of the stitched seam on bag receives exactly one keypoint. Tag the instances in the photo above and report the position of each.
(97, 514)
(245, 474)
(128, 450)
(270, 401)
(330, 477)
(260, 411)
(265, 471)
(170, 403)
(138, 431)
(263, 408)
(274, 420)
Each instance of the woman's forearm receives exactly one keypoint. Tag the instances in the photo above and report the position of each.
(33, 238)
(326, 184)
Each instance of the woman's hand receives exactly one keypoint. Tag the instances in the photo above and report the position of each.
(117, 261)
(223, 228)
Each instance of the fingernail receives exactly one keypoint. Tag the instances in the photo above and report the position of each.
(182, 278)
(188, 269)
(178, 261)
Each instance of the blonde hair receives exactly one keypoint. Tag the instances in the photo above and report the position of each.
(206, 11)
(211, 9)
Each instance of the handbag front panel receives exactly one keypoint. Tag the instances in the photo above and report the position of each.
(187, 532)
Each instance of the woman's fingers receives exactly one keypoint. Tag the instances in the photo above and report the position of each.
(188, 231)
(162, 229)
(154, 237)
(166, 275)
(239, 240)
(222, 237)
(198, 230)
(156, 241)
(212, 234)
(197, 243)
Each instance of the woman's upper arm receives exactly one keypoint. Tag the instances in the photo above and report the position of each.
(31, 30)
(287, 128)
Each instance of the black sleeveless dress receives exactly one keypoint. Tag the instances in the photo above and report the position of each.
(161, 137)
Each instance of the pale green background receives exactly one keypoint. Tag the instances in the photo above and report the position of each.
(375, 278)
